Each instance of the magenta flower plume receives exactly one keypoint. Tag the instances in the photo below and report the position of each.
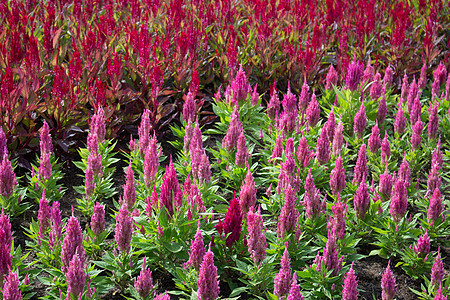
(422, 248)
(413, 94)
(3, 144)
(11, 289)
(73, 243)
(247, 194)
(288, 215)
(188, 133)
(294, 291)
(399, 201)
(332, 78)
(404, 172)
(382, 110)
(163, 296)
(304, 154)
(197, 250)
(5, 228)
(337, 222)
(433, 181)
(170, 195)
(313, 111)
(289, 117)
(97, 125)
(374, 139)
(151, 162)
(256, 240)
(89, 185)
(385, 149)
(400, 120)
(330, 258)
(273, 107)
(437, 158)
(282, 280)
(98, 219)
(385, 188)
(124, 230)
(405, 88)
(376, 88)
(423, 77)
(144, 282)
(45, 140)
(55, 224)
(75, 276)
(439, 295)
(388, 288)
(129, 189)
(368, 73)
(362, 200)
(354, 74)
(43, 214)
(189, 108)
(207, 282)
(232, 223)
(95, 163)
(144, 132)
(241, 152)
(254, 99)
(439, 75)
(435, 209)
(278, 149)
(388, 76)
(350, 291)
(437, 271)
(330, 126)
(312, 198)
(240, 87)
(361, 170)
(416, 137)
(433, 121)
(337, 177)
(338, 138)
(45, 167)
(230, 140)
(360, 122)
(323, 147)
(304, 97)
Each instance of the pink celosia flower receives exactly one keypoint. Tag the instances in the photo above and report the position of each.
(197, 250)
(382, 109)
(338, 139)
(234, 131)
(399, 201)
(75, 276)
(422, 248)
(45, 167)
(124, 230)
(388, 76)
(361, 170)
(332, 78)
(355, 72)
(241, 152)
(95, 162)
(435, 209)
(323, 147)
(144, 282)
(45, 140)
(437, 158)
(240, 87)
(405, 87)
(282, 280)
(232, 223)
(278, 149)
(289, 117)
(330, 126)
(73, 243)
(404, 172)
(151, 162)
(170, 194)
(385, 188)
(89, 185)
(362, 200)
(437, 271)
(313, 111)
(440, 73)
(416, 137)
(376, 88)
(413, 94)
(337, 222)
(273, 107)
(97, 126)
(188, 133)
(350, 291)
(434, 180)
(3, 143)
(288, 215)
(247, 194)
(374, 139)
(11, 290)
(254, 99)
(433, 121)
(368, 73)
(294, 291)
(415, 112)
(163, 296)
(385, 149)
(129, 189)
(189, 108)
(330, 258)
(304, 154)
(98, 219)
(388, 288)
(256, 240)
(144, 132)
(55, 224)
(304, 97)
(337, 177)
(207, 282)
(423, 77)
(439, 295)
(400, 121)
(360, 121)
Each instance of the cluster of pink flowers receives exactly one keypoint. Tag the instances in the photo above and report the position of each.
(208, 284)
(282, 282)
(330, 259)
(256, 240)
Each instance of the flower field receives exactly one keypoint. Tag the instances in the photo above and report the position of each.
(224, 149)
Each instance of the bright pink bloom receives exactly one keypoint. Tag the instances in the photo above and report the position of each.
(416, 111)
(388, 284)
(230, 140)
(43, 214)
(273, 107)
(170, 195)
(337, 177)
(330, 126)
(129, 189)
(233, 222)
(98, 219)
(435, 209)
(434, 180)
(385, 149)
(422, 248)
(362, 200)
(289, 117)
(151, 162)
(3, 143)
(207, 282)
(404, 172)
(55, 224)
(312, 198)
(400, 121)
(256, 240)
(423, 77)
(433, 121)
(304, 97)
(416, 137)
(45, 140)
(338, 139)
(382, 109)
(361, 170)
(197, 250)
(97, 125)
(399, 201)
(189, 108)
(144, 132)
(437, 158)
(313, 111)
(241, 152)
(282, 280)
(247, 194)
(439, 295)
(385, 188)
(388, 76)
(323, 147)
(294, 291)
(288, 215)
(144, 282)
(355, 73)
(45, 167)
(330, 258)
(374, 139)
(304, 154)
(337, 222)
(360, 122)
(124, 230)
(350, 291)
(405, 88)
(73, 243)
(376, 88)
(437, 271)
(75, 276)
(332, 78)
(11, 290)
(255, 96)
(413, 94)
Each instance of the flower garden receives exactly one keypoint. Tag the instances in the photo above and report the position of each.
(224, 149)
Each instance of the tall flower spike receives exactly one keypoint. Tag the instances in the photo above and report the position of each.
(197, 250)
(313, 111)
(304, 97)
(278, 149)
(288, 215)
(230, 140)
(124, 230)
(75, 277)
(337, 222)
(399, 201)
(422, 248)
(374, 139)
(337, 177)
(416, 111)
(385, 188)
(247, 194)
(294, 291)
(385, 149)
(129, 189)
(151, 162)
(233, 222)
(144, 132)
(382, 109)
(282, 281)
(439, 295)
(434, 180)
(368, 73)
(163, 296)
(416, 138)
(437, 158)
(360, 122)
(330, 258)
(361, 170)
(255, 96)
(400, 121)
(97, 125)
(11, 290)
(423, 77)
(256, 240)
(388, 76)
(189, 108)
(388, 288)
(404, 172)
(433, 121)
(350, 291)
(207, 282)
(273, 107)
(435, 209)
(46, 140)
(73, 243)
(304, 154)
(413, 94)
(170, 195)
(354, 74)
(332, 78)
(3, 143)
(437, 271)
(338, 139)
(144, 282)
(405, 86)
(98, 219)
(289, 116)
(376, 88)
(362, 200)
(323, 147)
(241, 152)
(45, 167)
(330, 125)
(55, 225)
